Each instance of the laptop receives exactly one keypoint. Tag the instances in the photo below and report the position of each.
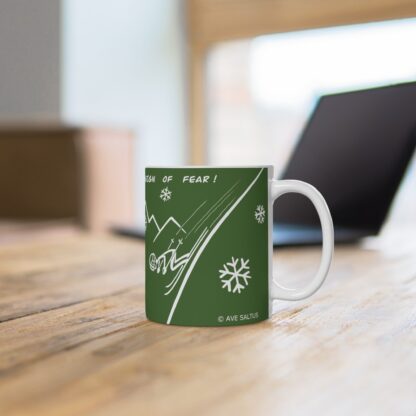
(354, 149)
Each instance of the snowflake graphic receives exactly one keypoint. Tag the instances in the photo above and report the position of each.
(235, 274)
(165, 194)
(260, 214)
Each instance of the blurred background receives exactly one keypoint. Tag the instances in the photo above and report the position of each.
(93, 91)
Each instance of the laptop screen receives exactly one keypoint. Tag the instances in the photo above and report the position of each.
(354, 149)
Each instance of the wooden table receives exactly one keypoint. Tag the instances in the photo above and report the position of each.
(74, 339)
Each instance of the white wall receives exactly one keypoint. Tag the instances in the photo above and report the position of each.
(123, 64)
(29, 59)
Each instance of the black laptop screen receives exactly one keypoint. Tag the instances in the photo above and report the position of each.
(355, 149)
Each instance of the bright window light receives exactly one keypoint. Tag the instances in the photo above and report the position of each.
(289, 69)
(261, 91)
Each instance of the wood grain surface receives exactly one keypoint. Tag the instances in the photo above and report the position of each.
(74, 339)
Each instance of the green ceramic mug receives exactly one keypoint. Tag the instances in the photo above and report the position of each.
(209, 248)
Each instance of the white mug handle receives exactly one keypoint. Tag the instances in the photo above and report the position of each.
(279, 188)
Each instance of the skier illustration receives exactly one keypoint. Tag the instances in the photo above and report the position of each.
(168, 259)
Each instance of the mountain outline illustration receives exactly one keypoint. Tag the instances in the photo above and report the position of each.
(152, 219)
